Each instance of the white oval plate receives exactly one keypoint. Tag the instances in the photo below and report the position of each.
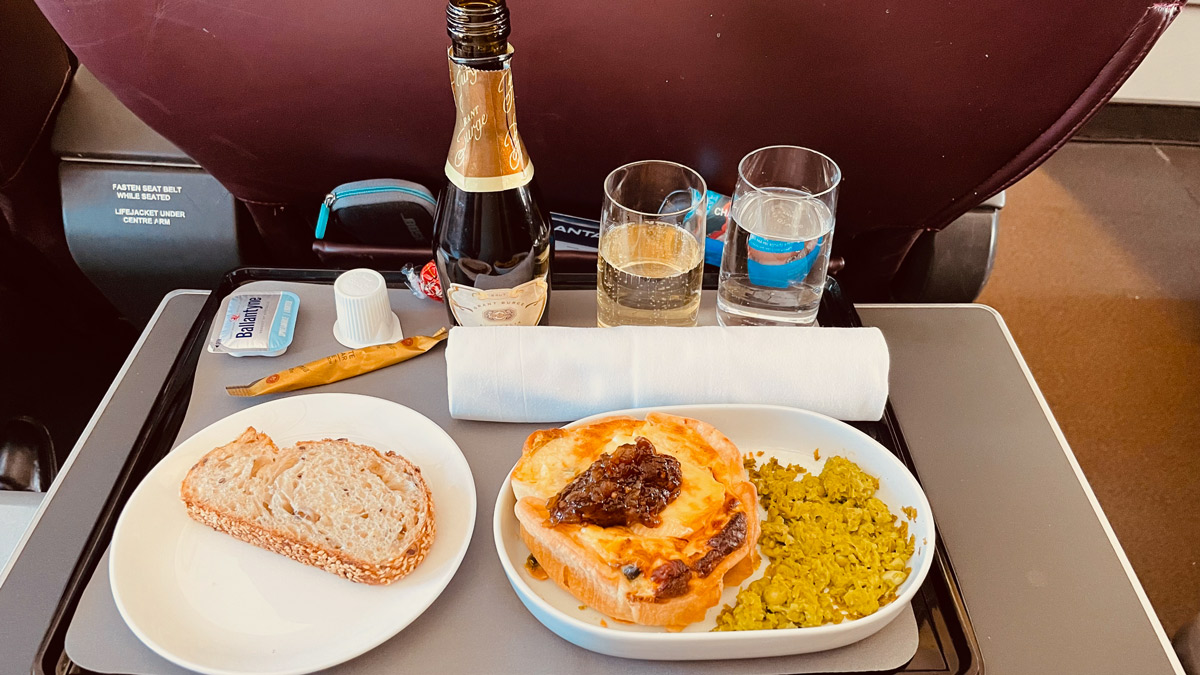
(788, 434)
(211, 603)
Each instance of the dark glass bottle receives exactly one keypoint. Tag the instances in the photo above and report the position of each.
(492, 239)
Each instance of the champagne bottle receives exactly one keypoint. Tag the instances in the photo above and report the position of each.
(492, 239)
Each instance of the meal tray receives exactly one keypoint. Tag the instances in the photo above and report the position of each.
(945, 641)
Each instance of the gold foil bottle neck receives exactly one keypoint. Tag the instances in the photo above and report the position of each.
(486, 151)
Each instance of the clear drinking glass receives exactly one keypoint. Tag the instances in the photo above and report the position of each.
(777, 249)
(651, 246)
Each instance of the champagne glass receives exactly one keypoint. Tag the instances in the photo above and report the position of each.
(651, 255)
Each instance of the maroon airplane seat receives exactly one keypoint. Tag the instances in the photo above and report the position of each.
(35, 70)
(929, 107)
(35, 263)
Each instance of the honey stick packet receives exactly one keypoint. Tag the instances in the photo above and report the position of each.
(341, 366)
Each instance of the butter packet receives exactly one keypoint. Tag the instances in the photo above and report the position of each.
(256, 324)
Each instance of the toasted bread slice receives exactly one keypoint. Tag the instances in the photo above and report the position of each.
(347, 508)
(634, 572)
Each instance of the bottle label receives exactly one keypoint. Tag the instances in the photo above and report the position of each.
(487, 154)
(780, 263)
(518, 306)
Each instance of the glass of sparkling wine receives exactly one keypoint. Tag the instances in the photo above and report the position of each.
(777, 250)
(651, 251)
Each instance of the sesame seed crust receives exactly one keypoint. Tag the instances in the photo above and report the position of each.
(330, 560)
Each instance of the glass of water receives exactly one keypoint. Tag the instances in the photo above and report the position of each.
(651, 246)
(777, 249)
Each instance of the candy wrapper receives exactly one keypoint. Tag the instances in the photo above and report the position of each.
(430, 283)
(340, 366)
(424, 283)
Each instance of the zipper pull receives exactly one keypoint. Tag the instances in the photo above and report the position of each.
(323, 216)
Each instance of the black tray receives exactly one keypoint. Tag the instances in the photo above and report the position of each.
(946, 641)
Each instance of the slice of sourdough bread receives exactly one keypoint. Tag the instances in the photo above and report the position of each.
(347, 508)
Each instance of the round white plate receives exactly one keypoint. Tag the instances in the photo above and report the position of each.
(211, 603)
(788, 434)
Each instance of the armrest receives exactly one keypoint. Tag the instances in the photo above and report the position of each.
(94, 124)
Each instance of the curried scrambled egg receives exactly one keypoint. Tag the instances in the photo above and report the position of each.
(836, 552)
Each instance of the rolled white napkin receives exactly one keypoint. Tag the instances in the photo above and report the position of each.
(556, 374)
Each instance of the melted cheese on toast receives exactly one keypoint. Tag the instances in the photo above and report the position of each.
(707, 500)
